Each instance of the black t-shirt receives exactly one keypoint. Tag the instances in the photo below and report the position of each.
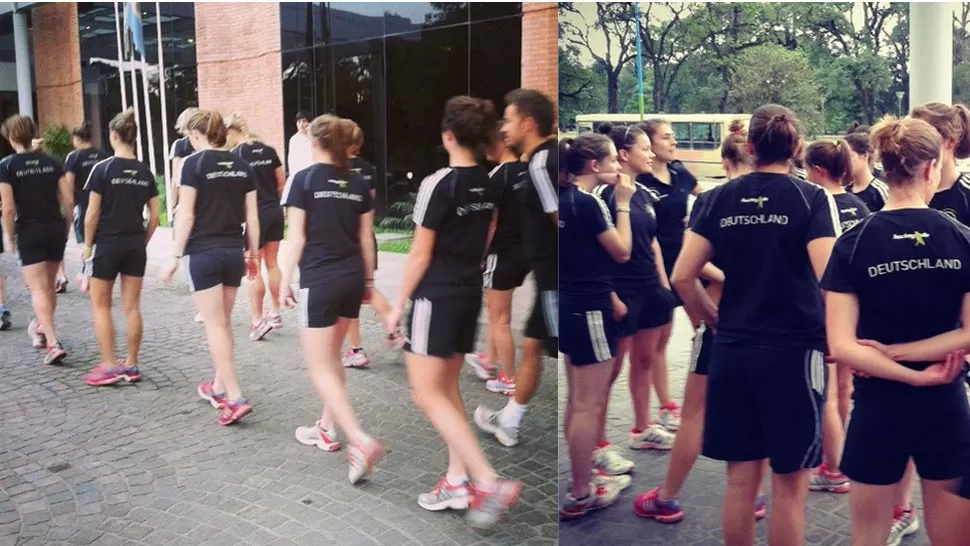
(852, 209)
(955, 201)
(508, 232)
(222, 181)
(365, 170)
(34, 177)
(333, 204)
(759, 225)
(671, 207)
(540, 200)
(125, 186)
(262, 159)
(874, 196)
(586, 271)
(457, 203)
(906, 267)
(79, 163)
(641, 271)
(181, 149)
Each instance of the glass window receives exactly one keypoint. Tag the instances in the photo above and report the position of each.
(423, 71)
(349, 21)
(297, 88)
(296, 25)
(491, 10)
(703, 137)
(496, 70)
(410, 16)
(682, 134)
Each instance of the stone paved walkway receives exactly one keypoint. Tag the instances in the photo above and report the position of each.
(827, 521)
(147, 464)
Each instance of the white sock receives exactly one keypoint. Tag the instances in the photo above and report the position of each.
(512, 414)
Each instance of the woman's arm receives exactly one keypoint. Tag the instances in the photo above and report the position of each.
(658, 257)
(417, 264)
(92, 217)
(252, 223)
(937, 347)
(65, 197)
(280, 181)
(154, 217)
(185, 219)
(367, 246)
(8, 213)
(292, 251)
(696, 252)
(176, 182)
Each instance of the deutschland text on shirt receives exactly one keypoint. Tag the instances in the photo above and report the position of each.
(897, 266)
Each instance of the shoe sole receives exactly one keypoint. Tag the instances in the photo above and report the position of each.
(369, 469)
(237, 417)
(56, 360)
(329, 448)
(645, 447)
(661, 519)
(839, 489)
(905, 533)
(494, 431)
(506, 392)
(260, 335)
(450, 504)
(113, 381)
(607, 472)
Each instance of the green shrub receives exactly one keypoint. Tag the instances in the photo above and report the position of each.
(400, 215)
(57, 141)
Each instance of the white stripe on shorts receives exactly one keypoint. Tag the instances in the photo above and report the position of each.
(550, 308)
(491, 262)
(815, 381)
(188, 273)
(420, 326)
(304, 307)
(597, 336)
(698, 346)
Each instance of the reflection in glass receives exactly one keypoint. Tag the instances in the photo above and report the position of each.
(495, 70)
(411, 16)
(491, 10)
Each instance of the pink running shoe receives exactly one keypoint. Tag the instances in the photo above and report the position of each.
(207, 393)
(234, 411)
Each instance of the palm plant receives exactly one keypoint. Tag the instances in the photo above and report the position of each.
(400, 214)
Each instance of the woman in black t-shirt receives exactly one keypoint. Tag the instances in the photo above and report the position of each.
(77, 167)
(331, 220)
(454, 211)
(217, 196)
(34, 191)
(115, 238)
(355, 357)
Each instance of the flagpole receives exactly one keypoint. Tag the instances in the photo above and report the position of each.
(134, 90)
(162, 91)
(636, 15)
(148, 116)
(121, 70)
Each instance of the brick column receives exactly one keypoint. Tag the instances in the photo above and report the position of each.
(57, 65)
(239, 65)
(540, 47)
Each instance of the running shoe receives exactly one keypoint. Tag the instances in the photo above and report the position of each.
(234, 411)
(760, 507)
(608, 461)
(355, 359)
(207, 393)
(650, 506)
(4, 318)
(670, 416)
(60, 285)
(362, 459)
(600, 496)
(487, 419)
(484, 369)
(104, 375)
(620, 482)
(55, 354)
(324, 439)
(655, 437)
(274, 320)
(488, 507)
(259, 330)
(37, 339)
(501, 385)
(904, 524)
(446, 496)
(823, 479)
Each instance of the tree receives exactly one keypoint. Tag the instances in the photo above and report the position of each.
(614, 23)
(771, 74)
(665, 33)
(580, 90)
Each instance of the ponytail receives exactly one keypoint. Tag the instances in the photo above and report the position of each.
(211, 125)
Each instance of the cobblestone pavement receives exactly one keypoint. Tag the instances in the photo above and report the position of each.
(147, 464)
(827, 520)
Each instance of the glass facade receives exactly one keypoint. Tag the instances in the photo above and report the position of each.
(99, 67)
(391, 67)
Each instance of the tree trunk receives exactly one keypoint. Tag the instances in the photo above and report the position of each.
(659, 100)
(612, 89)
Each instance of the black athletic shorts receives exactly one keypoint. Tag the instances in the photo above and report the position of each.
(591, 335)
(215, 266)
(505, 271)
(543, 322)
(107, 264)
(321, 305)
(39, 243)
(271, 224)
(443, 326)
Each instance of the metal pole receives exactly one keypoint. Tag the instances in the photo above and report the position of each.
(162, 91)
(134, 92)
(636, 16)
(121, 70)
(931, 40)
(25, 99)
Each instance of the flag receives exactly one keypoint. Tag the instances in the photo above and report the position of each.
(133, 22)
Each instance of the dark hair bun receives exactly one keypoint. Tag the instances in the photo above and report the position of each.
(605, 128)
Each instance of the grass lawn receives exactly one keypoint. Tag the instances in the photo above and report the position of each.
(400, 246)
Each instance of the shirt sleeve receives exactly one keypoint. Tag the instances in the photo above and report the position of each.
(837, 277)
(95, 181)
(542, 168)
(687, 179)
(250, 183)
(695, 211)
(190, 175)
(703, 219)
(153, 185)
(595, 214)
(823, 218)
(366, 204)
(432, 204)
(293, 193)
(5, 173)
(70, 164)
(275, 158)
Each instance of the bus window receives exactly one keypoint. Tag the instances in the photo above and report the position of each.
(682, 134)
(704, 136)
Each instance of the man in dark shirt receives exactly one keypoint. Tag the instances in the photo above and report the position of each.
(530, 126)
(77, 167)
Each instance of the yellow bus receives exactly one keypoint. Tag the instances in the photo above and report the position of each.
(699, 136)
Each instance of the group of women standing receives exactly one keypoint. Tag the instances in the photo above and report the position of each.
(231, 196)
(800, 291)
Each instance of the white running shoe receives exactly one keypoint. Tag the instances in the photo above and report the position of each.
(670, 417)
(445, 496)
(355, 359)
(608, 461)
(37, 339)
(484, 369)
(259, 330)
(904, 524)
(326, 440)
(655, 437)
(488, 420)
